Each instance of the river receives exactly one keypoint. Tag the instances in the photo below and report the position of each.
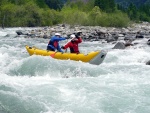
(37, 84)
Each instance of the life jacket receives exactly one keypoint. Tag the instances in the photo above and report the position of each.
(53, 43)
(74, 47)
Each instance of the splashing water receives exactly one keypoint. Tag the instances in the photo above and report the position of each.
(37, 84)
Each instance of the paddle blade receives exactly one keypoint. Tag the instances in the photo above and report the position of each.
(52, 55)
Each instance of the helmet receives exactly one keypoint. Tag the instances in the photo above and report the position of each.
(57, 34)
(79, 31)
(72, 36)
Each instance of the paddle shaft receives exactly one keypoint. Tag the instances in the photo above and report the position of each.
(68, 42)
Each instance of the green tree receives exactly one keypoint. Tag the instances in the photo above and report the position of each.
(145, 9)
(32, 14)
(41, 3)
(54, 4)
(105, 5)
(2, 15)
(81, 5)
(19, 2)
(73, 16)
(132, 12)
(7, 14)
(93, 14)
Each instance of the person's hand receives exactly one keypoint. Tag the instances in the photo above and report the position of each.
(62, 47)
(79, 33)
(77, 36)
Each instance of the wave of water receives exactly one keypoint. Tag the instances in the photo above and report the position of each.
(37, 84)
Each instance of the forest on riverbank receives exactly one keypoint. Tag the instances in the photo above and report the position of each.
(33, 13)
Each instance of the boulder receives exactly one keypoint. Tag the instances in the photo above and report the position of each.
(148, 42)
(19, 32)
(128, 44)
(139, 35)
(148, 63)
(119, 45)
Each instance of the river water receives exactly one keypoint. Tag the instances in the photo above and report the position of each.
(37, 84)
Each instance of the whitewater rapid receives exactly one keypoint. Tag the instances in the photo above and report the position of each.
(37, 84)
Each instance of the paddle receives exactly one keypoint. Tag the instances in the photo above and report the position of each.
(52, 55)
(68, 42)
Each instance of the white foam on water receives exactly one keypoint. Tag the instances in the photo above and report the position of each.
(2, 33)
(45, 85)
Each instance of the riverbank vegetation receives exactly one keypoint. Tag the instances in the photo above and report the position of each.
(32, 13)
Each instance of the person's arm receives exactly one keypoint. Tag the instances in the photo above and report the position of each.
(61, 38)
(58, 39)
(59, 49)
(67, 45)
(79, 40)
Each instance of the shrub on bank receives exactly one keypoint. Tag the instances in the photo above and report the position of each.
(31, 15)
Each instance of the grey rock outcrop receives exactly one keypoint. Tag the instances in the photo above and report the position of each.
(119, 45)
(148, 63)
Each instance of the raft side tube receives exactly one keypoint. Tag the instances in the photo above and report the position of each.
(99, 58)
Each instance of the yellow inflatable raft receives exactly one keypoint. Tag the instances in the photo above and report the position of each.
(96, 57)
